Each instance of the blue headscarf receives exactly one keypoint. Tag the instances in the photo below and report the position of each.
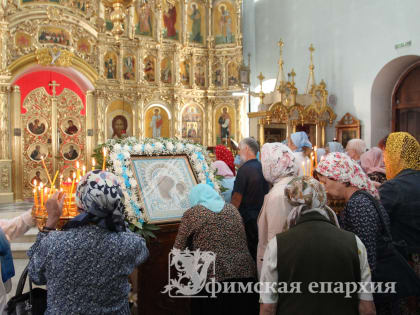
(301, 140)
(7, 267)
(335, 146)
(206, 196)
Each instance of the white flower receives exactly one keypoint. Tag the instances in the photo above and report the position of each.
(126, 147)
(117, 163)
(126, 154)
(113, 156)
(129, 173)
(117, 147)
(201, 177)
(169, 146)
(137, 148)
(190, 147)
(158, 146)
(133, 182)
(148, 148)
(179, 148)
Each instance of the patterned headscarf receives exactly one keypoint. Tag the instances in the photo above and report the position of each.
(222, 169)
(101, 201)
(340, 167)
(301, 140)
(306, 194)
(223, 154)
(372, 161)
(277, 162)
(402, 151)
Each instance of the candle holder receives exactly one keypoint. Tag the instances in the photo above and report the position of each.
(70, 211)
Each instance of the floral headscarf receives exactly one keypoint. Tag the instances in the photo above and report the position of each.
(306, 194)
(402, 151)
(372, 161)
(99, 197)
(277, 162)
(223, 154)
(340, 167)
(222, 169)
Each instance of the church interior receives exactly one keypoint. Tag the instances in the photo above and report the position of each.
(86, 83)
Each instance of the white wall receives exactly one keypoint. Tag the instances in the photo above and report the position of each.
(354, 40)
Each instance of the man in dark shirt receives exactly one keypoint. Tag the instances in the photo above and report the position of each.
(249, 190)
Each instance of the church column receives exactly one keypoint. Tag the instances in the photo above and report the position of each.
(177, 120)
(193, 60)
(177, 66)
(140, 118)
(90, 127)
(100, 131)
(158, 63)
(238, 35)
(238, 106)
(6, 194)
(141, 56)
(210, 107)
(17, 144)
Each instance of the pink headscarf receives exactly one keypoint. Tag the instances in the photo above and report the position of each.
(372, 161)
(277, 162)
(222, 169)
(341, 168)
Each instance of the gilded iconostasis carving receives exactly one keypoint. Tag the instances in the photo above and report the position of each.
(171, 73)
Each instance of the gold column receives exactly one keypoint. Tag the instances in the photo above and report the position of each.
(90, 127)
(17, 145)
(261, 135)
(6, 194)
(100, 131)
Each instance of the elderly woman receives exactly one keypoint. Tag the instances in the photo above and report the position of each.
(299, 143)
(215, 226)
(372, 163)
(314, 249)
(334, 146)
(228, 178)
(344, 179)
(86, 267)
(400, 196)
(278, 169)
(355, 148)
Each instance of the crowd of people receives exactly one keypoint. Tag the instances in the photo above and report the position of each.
(269, 225)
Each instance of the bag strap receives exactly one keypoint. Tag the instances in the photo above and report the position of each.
(22, 280)
(379, 212)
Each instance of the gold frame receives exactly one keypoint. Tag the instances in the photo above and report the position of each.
(347, 125)
(134, 170)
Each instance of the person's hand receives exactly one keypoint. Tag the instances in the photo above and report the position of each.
(54, 207)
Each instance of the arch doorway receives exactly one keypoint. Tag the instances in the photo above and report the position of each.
(406, 102)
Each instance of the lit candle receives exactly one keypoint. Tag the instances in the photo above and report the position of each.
(308, 167)
(35, 197)
(303, 168)
(77, 170)
(61, 182)
(55, 178)
(45, 194)
(312, 165)
(46, 170)
(41, 193)
(315, 157)
(93, 164)
(35, 182)
(72, 184)
(83, 170)
(104, 162)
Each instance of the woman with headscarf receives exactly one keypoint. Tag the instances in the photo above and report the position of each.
(335, 146)
(278, 169)
(314, 249)
(344, 179)
(299, 143)
(228, 178)
(224, 154)
(400, 196)
(86, 267)
(215, 226)
(372, 163)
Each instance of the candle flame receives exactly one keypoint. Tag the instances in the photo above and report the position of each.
(35, 182)
(104, 151)
(77, 164)
(41, 185)
(93, 161)
(74, 176)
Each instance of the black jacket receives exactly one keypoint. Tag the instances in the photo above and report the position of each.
(400, 196)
